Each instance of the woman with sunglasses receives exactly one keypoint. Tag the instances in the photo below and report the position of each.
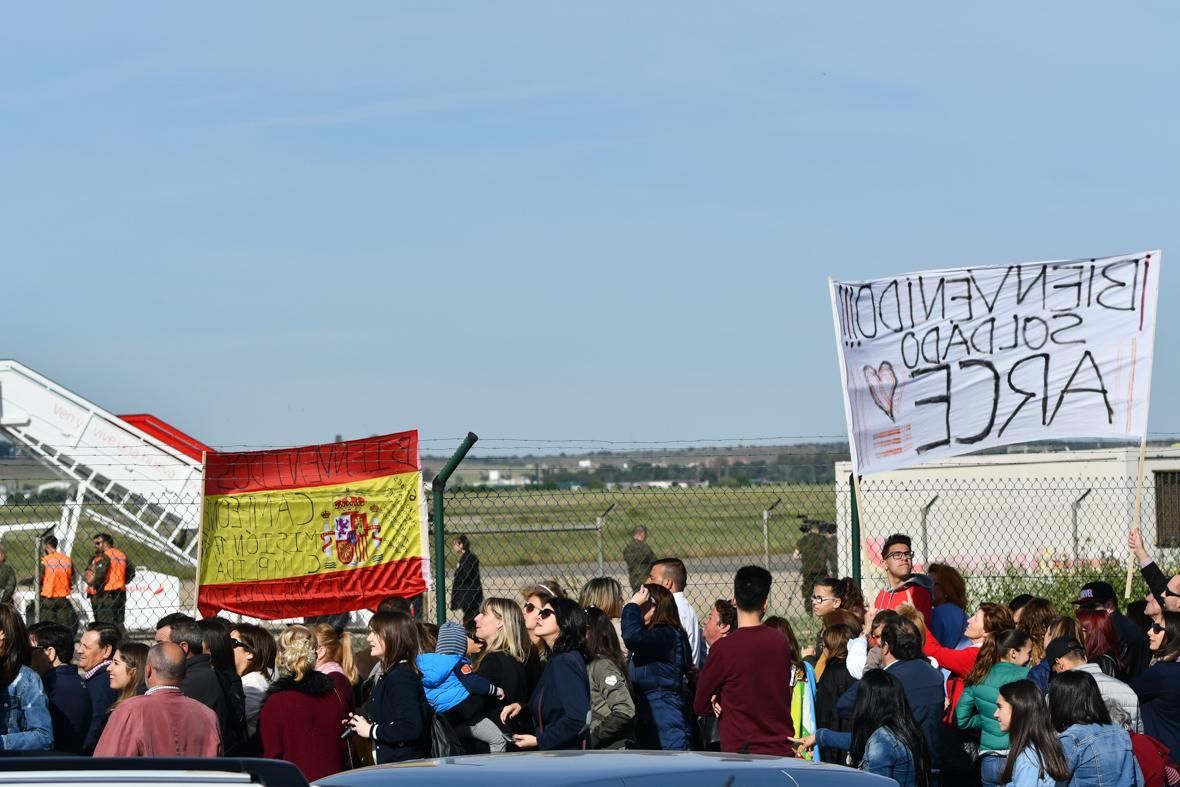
(1159, 687)
(254, 660)
(659, 667)
(559, 707)
(535, 597)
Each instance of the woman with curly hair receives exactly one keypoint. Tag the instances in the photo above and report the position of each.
(559, 707)
(1034, 619)
(988, 619)
(300, 719)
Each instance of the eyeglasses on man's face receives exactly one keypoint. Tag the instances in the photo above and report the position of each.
(900, 555)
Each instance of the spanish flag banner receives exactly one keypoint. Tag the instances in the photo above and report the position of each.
(313, 530)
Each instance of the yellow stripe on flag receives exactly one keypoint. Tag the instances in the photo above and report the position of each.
(309, 531)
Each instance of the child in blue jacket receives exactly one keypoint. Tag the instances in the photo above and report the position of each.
(448, 678)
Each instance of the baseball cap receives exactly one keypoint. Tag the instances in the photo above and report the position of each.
(1061, 647)
(1096, 593)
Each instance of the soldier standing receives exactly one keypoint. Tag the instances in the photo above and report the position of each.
(812, 550)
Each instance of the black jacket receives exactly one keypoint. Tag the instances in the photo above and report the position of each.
(925, 690)
(832, 684)
(102, 697)
(397, 708)
(467, 588)
(202, 684)
(70, 707)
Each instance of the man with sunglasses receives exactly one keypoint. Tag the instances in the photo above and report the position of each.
(1165, 589)
(905, 587)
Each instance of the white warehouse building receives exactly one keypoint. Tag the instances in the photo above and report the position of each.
(1038, 512)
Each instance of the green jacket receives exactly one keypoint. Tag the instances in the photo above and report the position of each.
(612, 710)
(638, 557)
(977, 707)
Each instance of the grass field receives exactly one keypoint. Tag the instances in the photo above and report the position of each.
(21, 545)
(691, 523)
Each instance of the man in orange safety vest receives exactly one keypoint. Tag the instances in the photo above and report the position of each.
(57, 575)
(106, 579)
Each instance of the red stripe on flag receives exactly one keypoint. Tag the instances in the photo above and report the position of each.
(315, 594)
(311, 465)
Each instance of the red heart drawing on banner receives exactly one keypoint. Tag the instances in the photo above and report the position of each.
(882, 385)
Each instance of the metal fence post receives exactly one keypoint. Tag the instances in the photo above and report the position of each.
(1074, 515)
(766, 532)
(438, 487)
(925, 533)
(855, 535)
(599, 524)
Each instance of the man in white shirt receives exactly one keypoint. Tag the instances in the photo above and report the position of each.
(671, 573)
(1066, 653)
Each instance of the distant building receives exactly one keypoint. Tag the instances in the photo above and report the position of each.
(1030, 512)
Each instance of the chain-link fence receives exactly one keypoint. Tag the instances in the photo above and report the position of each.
(1009, 535)
(157, 538)
(1045, 530)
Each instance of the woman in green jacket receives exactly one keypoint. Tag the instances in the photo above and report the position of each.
(1003, 658)
(612, 708)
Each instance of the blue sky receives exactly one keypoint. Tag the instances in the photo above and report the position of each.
(270, 223)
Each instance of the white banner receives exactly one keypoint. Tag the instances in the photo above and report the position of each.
(946, 362)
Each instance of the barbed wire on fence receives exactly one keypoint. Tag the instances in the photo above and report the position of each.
(1045, 535)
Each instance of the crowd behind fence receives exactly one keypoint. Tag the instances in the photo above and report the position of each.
(1006, 535)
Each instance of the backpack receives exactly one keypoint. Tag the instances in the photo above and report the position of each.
(1152, 757)
(443, 740)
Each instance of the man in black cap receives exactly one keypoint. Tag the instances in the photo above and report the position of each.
(1066, 653)
(1100, 595)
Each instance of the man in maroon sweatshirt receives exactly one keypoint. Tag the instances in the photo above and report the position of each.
(747, 675)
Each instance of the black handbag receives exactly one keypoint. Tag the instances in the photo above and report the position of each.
(443, 740)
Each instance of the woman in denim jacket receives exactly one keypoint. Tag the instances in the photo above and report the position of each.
(884, 738)
(1034, 755)
(25, 712)
(1097, 751)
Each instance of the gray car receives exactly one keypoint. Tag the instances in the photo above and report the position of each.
(608, 768)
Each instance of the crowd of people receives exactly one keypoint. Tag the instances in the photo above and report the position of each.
(915, 686)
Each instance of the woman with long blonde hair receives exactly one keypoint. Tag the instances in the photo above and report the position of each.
(333, 657)
(301, 717)
(500, 625)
